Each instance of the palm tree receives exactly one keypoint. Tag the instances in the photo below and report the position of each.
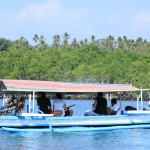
(74, 43)
(35, 38)
(66, 37)
(56, 40)
(93, 39)
(139, 41)
(139, 44)
(120, 42)
(109, 42)
(86, 41)
(43, 45)
(131, 44)
(125, 43)
(23, 42)
(81, 43)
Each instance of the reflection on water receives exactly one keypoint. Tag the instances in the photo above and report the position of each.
(105, 140)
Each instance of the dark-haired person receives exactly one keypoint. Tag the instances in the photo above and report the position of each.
(59, 106)
(114, 109)
(43, 103)
(100, 106)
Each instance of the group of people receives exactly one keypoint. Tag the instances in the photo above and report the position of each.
(59, 106)
(100, 107)
(13, 106)
(60, 109)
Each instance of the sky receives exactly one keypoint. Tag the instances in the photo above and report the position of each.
(79, 18)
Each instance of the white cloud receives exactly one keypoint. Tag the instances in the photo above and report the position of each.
(142, 20)
(51, 12)
(39, 12)
(47, 18)
(51, 9)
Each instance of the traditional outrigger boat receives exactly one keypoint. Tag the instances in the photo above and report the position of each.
(47, 122)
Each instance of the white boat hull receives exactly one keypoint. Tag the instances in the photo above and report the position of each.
(76, 121)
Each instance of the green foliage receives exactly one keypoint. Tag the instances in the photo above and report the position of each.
(85, 62)
(4, 44)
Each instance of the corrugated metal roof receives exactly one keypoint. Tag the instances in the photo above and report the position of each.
(50, 86)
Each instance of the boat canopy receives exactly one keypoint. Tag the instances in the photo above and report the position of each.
(66, 87)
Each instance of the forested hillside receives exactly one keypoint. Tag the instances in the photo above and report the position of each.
(97, 60)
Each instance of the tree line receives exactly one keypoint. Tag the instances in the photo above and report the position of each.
(98, 60)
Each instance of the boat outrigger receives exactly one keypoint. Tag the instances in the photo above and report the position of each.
(47, 122)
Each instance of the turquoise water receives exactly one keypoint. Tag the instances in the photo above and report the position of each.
(118, 140)
(104, 140)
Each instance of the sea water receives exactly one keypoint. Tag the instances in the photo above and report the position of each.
(127, 139)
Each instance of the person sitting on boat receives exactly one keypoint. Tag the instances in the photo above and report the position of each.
(9, 107)
(43, 103)
(59, 106)
(100, 106)
(14, 106)
(4, 110)
(20, 104)
(114, 109)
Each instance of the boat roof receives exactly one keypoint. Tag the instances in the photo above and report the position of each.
(67, 87)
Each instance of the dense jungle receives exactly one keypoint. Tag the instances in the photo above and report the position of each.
(106, 60)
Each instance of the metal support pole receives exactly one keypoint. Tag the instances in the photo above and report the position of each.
(33, 101)
(137, 107)
(141, 96)
(120, 103)
(3, 100)
(29, 103)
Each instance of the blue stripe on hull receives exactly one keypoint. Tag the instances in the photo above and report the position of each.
(76, 129)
